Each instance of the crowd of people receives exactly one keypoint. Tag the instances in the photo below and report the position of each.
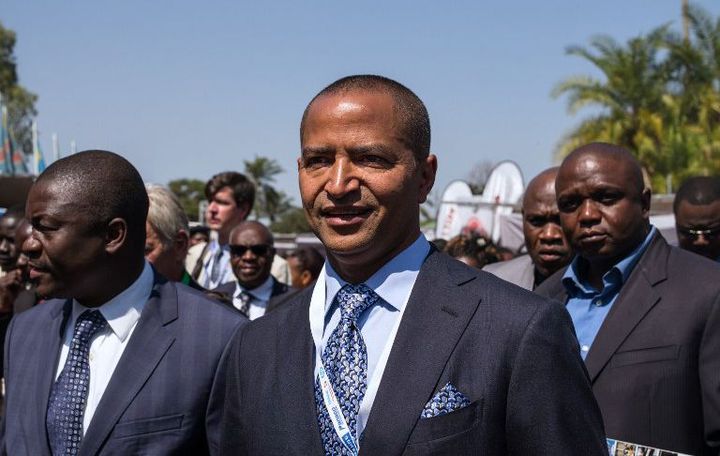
(126, 331)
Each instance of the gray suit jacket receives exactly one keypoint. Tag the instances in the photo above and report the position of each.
(655, 363)
(519, 271)
(156, 401)
(512, 353)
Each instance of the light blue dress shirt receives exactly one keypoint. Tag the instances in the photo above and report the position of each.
(393, 283)
(587, 306)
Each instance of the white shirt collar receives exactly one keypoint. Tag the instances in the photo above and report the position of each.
(393, 282)
(123, 311)
(262, 293)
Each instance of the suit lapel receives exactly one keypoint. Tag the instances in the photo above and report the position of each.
(295, 374)
(438, 312)
(148, 343)
(277, 289)
(635, 300)
(51, 342)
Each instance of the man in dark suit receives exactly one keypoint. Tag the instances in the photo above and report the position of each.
(548, 250)
(646, 314)
(398, 348)
(255, 292)
(697, 216)
(104, 368)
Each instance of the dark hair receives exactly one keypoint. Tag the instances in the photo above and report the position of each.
(243, 189)
(411, 112)
(199, 229)
(698, 190)
(104, 186)
(309, 260)
(473, 246)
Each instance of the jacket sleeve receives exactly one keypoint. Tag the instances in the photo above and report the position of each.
(709, 371)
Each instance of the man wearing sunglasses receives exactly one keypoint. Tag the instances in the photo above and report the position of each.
(697, 216)
(256, 291)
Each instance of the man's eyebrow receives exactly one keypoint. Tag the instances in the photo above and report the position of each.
(307, 150)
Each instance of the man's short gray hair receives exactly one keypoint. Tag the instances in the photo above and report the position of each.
(165, 215)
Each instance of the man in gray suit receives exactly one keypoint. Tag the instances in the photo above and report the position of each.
(548, 250)
(398, 348)
(124, 361)
(646, 314)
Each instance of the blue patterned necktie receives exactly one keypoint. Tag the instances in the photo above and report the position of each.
(345, 360)
(66, 406)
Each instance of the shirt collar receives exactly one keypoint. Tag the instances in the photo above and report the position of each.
(262, 292)
(123, 311)
(574, 281)
(393, 282)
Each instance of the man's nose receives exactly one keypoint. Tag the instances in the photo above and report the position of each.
(701, 240)
(342, 178)
(589, 213)
(551, 233)
(4, 245)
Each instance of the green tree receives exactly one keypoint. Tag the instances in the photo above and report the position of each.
(190, 192)
(628, 96)
(291, 221)
(19, 101)
(269, 202)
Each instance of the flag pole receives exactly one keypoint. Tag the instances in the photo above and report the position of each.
(56, 147)
(36, 148)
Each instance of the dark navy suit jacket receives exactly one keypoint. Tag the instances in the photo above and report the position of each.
(512, 353)
(156, 401)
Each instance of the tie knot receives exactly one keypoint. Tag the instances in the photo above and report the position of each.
(354, 299)
(89, 323)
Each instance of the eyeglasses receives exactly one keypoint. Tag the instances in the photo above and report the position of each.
(695, 234)
(257, 250)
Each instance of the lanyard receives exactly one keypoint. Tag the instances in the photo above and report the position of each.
(317, 324)
(336, 415)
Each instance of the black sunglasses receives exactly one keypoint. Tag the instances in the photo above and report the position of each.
(258, 249)
(695, 234)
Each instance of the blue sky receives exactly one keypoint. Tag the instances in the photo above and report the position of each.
(188, 88)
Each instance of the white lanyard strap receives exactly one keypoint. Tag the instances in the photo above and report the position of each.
(336, 415)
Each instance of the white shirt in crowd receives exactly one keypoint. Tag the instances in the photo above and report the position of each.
(260, 298)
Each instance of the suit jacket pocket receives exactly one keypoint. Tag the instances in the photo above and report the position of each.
(645, 355)
(447, 425)
(148, 426)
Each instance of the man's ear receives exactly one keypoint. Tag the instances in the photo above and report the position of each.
(428, 170)
(645, 199)
(305, 278)
(245, 210)
(181, 244)
(116, 235)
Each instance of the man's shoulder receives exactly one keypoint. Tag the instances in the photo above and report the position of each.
(507, 297)
(194, 305)
(41, 313)
(521, 262)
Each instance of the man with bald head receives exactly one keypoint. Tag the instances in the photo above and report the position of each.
(548, 250)
(102, 367)
(697, 216)
(255, 292)
(398, 348)
(646, 314)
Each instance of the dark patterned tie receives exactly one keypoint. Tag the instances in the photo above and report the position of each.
(245, 299)
(215, 269)
(66, 406)
(345, 360)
